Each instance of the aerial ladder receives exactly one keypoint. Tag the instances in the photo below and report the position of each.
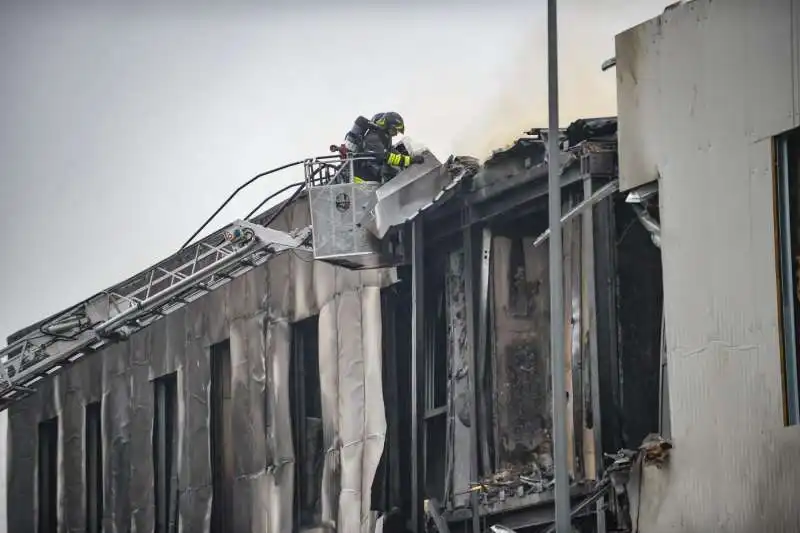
(199, 268)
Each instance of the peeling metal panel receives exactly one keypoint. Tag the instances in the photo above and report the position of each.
(725, 86)
(255, 312)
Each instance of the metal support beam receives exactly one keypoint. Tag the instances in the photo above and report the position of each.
(560, 444)
(417, 375)
(594, 365)
(483, 353)
(471, 356)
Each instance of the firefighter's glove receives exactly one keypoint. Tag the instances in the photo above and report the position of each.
(417, 159)
(398, 160)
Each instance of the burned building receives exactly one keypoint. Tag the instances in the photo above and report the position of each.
(297, 395)
(482, 361)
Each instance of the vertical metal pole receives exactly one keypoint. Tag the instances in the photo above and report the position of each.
(560, 445)
(417, 375)
(469, 290)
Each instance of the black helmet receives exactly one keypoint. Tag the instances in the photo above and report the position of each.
(390, 122)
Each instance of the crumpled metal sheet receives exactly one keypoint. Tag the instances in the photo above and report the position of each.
(255, 312)
(416, 190)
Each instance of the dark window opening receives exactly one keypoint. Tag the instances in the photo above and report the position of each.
(787, 198)
(306, 404)
(435, 385)
(48, 476)
(639, 312)
(164, 453)
(391, 490)
(94, 469)
(221, 436)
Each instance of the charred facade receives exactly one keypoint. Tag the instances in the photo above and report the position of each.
(303, 396)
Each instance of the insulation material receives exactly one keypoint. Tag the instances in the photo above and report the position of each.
(254, 312)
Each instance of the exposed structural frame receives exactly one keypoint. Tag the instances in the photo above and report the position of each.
(138, 302)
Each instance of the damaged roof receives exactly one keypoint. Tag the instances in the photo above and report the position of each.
(524, 161)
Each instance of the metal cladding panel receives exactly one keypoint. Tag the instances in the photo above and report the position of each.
(724, 87)
(255, 312)
(742, 48)
(404, 196)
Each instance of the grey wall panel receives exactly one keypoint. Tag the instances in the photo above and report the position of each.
(724, 87)
(254, 311)
(374, 415)
(351, 411)
(117, 460)
(280, 471)
(248, 387)
(329, 385)
(71, 432)
(140, 490)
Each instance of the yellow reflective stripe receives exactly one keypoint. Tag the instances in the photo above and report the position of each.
(399, 160)
(356, 179)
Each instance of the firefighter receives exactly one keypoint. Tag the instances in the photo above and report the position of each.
(374, 138)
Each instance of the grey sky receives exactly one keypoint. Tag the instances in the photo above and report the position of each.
(122, 128)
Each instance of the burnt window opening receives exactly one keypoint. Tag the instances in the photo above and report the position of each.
(306, 404)
(165, 390)
(435, 368)
(641, 363)
(391, 489)
(48, 476)
(787, 199)
(94, 469)
(221, 436)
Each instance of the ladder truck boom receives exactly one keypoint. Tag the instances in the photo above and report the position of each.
(117, 313)
(342, 239)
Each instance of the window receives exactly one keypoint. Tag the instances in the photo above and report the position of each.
(48, 476)
(94, 469)
(164, 452)
(221, 438)
(788, 256)
(306, 405)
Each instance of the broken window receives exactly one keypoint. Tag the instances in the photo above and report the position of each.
(788, 215)
(48, 476)
(306, 404)
(94, 469)
(221, 438)
(164, 429)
